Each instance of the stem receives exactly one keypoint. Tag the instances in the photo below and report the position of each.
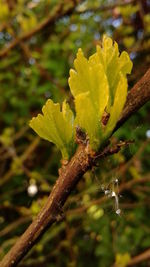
(68, 178)
(69, 175)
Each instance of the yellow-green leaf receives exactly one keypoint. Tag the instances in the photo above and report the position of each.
(116, 109)
(79, 79)
(122, 260)
(125, 63)
(99, 85)
(89, 86)
(108, 55)
(56, 126)
(87, 118)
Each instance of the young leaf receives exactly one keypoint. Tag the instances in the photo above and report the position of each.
(116, 109)
(90, 89)
(99, 86)
(113, 64)
(87, 118)
(56, 126)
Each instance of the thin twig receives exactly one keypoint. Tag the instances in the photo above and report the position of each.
(57, 13)
(108, 7)
(15, 225)
(43, 72)
(140, 258)
(23, 157)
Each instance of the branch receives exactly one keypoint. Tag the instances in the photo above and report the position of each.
(24, 156)
(144, 256)
(137, 97)
(43, 72)
(108, 7)
(15, 225)
(140, 258)
(50, 20)
(69, 175)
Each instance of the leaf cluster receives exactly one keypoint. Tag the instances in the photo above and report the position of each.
(99, 87)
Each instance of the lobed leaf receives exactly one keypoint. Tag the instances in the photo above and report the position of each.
(116, 109)
(87, 118)
(89, 86)
(56, 126)
(99, 85)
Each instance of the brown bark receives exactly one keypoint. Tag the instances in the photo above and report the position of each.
(69, 176)
(140, 258)
(137, 97)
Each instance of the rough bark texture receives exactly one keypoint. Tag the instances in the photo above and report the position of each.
(69, 176)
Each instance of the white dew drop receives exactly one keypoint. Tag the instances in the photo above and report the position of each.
(107, 192)
(116, 181)
(32, 190)
(112, 192)
(118, 211)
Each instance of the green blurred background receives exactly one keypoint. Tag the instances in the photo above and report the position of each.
(38, 43)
